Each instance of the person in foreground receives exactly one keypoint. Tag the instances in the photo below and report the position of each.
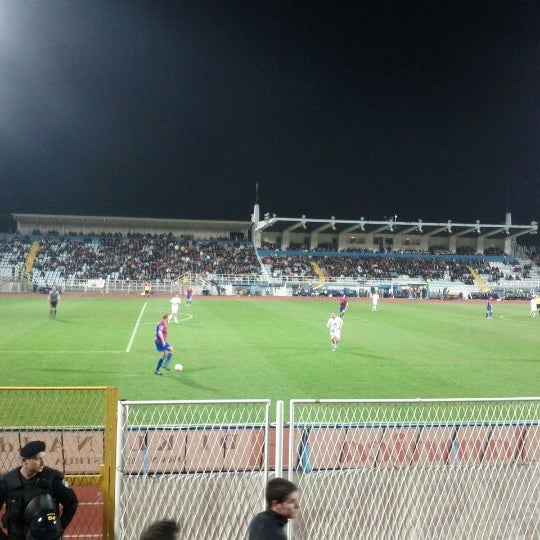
(33, 494)
(164, 529)
(283, 503)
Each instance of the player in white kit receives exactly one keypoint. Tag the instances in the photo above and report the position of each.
(335, 325)
(175, 306)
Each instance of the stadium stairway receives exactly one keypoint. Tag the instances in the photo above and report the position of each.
(478, 279)
(31, 258)
(319, 273)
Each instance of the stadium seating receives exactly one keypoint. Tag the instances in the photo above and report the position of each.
(163, 258)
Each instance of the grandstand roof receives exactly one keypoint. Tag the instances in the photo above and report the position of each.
(63, 224)
(27, 223)
(392, 226)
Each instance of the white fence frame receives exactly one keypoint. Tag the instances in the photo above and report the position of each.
(208, 499)
(485, 484)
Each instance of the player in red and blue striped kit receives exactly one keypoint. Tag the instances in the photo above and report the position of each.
(164, 348)
(343, 306)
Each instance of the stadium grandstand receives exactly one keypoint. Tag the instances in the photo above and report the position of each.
(269, 255)
(442, 466)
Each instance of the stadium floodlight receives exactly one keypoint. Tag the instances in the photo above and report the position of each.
(267, 216)
(333, 222)
(478, 229)
(362, 226)
(419, 228)
(304, 226)
(449, 226)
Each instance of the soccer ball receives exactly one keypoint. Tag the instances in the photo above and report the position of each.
(177, 367)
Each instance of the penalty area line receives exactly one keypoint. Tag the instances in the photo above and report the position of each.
(128, 348)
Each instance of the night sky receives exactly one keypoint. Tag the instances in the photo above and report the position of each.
(427, 109)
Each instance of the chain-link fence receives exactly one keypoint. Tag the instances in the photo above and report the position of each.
(78, 427)
(372, 469)
(416, 469)
(203, 463)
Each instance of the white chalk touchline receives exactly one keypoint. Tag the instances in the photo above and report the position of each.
(128, 348)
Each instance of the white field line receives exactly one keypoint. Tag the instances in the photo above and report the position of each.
(128, 348)
(33, 351)
(182, 317)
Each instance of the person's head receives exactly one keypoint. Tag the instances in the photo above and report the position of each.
(164, 529)
(33, 458)
(166, 317)
(333, 315)
(282, 497)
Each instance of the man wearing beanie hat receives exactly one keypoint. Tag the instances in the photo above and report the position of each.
(29, 483)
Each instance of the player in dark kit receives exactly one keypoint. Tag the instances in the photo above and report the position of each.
(53, 299)
(489, 309)
(343, 306)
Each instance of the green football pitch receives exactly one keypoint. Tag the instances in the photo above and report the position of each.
(240, 348)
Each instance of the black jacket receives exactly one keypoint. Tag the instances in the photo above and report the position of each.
(16, 492)
(267, 526)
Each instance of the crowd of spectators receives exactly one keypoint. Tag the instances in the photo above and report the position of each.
(378, 267)
(164, 257)
(143, 257)
(533, 253)
(14, 251)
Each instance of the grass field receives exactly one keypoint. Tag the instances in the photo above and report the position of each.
(270, 348)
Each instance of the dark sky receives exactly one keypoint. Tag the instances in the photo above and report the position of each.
(426, 109)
